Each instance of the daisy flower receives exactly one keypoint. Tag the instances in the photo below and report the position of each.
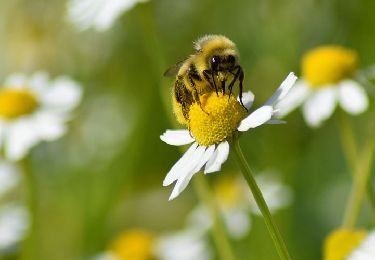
(236, 203)
(327, 80)
(34, 109)
(211, 129)
(350, 244)
(97, 14)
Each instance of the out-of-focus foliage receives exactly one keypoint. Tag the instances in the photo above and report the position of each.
(105, 175)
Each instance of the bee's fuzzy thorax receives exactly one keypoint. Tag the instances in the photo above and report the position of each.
(208, 43)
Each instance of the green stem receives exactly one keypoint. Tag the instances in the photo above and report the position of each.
(360, 184)
(218, 231)
(271, 225)
(348, 141)
(155, 50)
(356, 166)
(29, 250)
(371, 198)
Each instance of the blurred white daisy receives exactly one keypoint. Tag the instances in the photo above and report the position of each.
(97, 14)
(276, 194)
(9, 176)
(139, 244)
(34, 109)
(236, 202)
(327, 80)
(210, 130)
(91, 143)
(14, 223)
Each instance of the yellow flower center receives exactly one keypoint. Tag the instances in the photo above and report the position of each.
(328, 65)
(216, 120)
(134, 244)
(340, 243)
(227, 191)
(16, 102)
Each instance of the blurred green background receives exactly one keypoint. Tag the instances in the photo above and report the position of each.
(106, 174)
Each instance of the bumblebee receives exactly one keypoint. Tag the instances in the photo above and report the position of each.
(210, 68)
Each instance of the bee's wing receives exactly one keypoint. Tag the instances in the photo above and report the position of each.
(173, 70)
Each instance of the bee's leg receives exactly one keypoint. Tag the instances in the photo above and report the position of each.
(195, 93)
(189, 129)
(208, 75)
(196, 97)
(185, 111)
(178, 90)
(183, 96)
(241, 77)
(236, 75)
(213, 79)
(223, 86)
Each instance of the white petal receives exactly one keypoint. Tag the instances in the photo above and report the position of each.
(294, 98)
(63, 95)
(82, 13)
(218, 158)
(99, 14)
(366, 250)
(16, 80)
(179, 166)
(187, 244)
(320, 106)
(180, 186)
(352, 97)
(257, 118)
(14, 222)
(39, 82)
(247, 99)
(49, 126)
(238, 222)
(283, 90)
(200, 218)
(20, 137)
(9, 177)
(358, 255)
(111, 11)
(188, 172)
(206, 156)
(177, 137)
(211, 161)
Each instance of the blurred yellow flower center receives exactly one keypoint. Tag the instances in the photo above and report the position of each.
(328, 65)
(16, 102)
(216, 120)
(340, 243)
(228, 191)
(134, 244)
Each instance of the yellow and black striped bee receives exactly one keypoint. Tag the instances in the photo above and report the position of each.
(210, 68)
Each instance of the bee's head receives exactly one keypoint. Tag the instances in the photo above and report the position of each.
(223, 62)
